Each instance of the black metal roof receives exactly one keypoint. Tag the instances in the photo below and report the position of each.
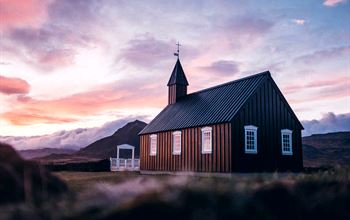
(178, 75)
(209, 106)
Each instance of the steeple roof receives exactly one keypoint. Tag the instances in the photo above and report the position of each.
(178, 75)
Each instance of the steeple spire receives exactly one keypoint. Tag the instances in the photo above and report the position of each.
(177, 83)
(178, 76)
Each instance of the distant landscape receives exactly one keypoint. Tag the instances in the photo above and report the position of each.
(319, 150)
(327, 149)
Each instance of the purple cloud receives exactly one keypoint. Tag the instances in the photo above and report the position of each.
(53, 45)
(322, 55)
(77, 12)
(222, 68)
(46, 49)
(146, 51)
(330, 122)
(250, 25)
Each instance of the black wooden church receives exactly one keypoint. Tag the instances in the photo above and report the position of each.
(244, 125)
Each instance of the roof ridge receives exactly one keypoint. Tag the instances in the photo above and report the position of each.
(267, 72)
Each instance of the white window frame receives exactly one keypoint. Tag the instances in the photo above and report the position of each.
(289, 134)
(207, 149)
(153, 148)
(176, 134)
(254, 129)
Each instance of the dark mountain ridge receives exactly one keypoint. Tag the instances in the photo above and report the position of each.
(107, 147)
(43, 152)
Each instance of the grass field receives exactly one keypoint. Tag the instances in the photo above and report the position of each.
(81, 181)
(128, 195)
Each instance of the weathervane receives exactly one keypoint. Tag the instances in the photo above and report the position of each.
(178, 50)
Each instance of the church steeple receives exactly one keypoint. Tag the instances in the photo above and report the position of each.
(177, 83)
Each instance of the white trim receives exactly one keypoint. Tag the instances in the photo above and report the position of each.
(288, 133)
(254, 129)
(176, 134)
(154, 151)
(207, 130)
(126, 146)
(250, 127)
(115, 162)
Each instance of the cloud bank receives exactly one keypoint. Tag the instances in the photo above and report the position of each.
(74, 139)
(330, 122)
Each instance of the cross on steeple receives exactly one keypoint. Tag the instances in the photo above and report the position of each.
(178, 49)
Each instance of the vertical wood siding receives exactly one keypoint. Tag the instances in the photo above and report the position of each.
(266, 110)
(191, 158)
(175, 92)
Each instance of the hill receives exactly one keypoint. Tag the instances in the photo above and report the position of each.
(43, 152)
(327, 149)
(107, 147)
(22, 180)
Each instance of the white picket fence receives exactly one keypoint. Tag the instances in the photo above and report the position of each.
(124, 164)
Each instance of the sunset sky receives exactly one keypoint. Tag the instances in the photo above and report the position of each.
(79, 64)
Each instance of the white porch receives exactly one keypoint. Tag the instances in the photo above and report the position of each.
(123, 164)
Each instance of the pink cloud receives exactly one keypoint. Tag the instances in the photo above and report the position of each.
(19, 14)
(11, 85)
(324, 94)
(317, 83)
(30, 117)
(107, 97)
(332, 3)
(54, 59)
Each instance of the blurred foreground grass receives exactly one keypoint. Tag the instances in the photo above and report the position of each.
(106, 195)
(80, 181)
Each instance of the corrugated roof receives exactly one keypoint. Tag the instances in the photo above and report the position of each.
(209, 106)
(178, 75)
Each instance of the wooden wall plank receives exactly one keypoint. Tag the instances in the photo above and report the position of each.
(191, 157)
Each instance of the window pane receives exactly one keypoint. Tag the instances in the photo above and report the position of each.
(177, 143)
(286, 143)
(153, 145)
(250, 136)
(206, 145)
